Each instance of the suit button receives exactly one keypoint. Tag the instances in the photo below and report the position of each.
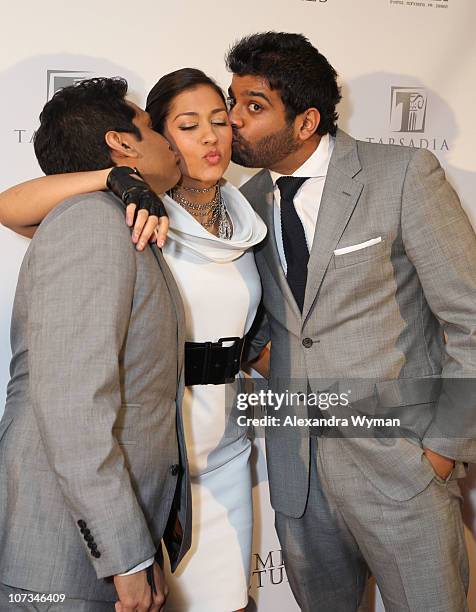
(93, 545)
(81, 524)
(307, 343)
(175, 469)
(96, 553)
(85, 532)
(89, 538)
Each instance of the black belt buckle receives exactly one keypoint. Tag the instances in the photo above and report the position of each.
(233, 357)
(211, 363)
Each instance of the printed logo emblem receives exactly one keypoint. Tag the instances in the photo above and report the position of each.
(57, 79)
(408, 109)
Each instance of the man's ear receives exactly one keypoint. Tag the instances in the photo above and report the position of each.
(307, 123)
(122, 146)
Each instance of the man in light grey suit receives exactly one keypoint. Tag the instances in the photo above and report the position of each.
(93, 469)
(369, 262)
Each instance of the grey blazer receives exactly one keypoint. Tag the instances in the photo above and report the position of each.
(378, 314)
(91, 440)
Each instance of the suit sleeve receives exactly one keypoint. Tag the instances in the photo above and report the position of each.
(441, 243)
(258, 336)
(81, 286)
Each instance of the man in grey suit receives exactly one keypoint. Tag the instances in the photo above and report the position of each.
(368, 264)
(93, 469)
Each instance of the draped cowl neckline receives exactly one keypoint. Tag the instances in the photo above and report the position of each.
(248, 228)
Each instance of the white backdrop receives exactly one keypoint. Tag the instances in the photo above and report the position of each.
(389, 54)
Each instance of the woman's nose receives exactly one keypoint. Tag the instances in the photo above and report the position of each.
(210, 136)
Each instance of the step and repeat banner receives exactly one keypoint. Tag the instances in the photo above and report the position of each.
(408, 75)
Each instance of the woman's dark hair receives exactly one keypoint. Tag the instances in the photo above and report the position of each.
(292, 66)
(171, 85)
(74, 122)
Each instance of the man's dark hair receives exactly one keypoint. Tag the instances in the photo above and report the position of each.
(74, 122)
(292, 66)
(169, 87)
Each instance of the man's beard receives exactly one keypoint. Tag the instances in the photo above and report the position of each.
(266, 152)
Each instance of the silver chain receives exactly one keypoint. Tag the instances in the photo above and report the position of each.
(199, 189)
(216, 207)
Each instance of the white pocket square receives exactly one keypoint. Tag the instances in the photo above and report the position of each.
(357, 247)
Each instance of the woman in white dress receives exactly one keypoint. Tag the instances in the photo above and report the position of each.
(209, 250)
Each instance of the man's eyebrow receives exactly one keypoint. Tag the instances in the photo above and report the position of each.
(258, 94)
(251, 94)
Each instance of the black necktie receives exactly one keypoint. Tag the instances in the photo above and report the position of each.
(294, 238)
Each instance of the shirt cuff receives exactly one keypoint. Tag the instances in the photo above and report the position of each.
(139, 567)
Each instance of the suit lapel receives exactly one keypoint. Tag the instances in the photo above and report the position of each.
(177, 301)
(340, 195)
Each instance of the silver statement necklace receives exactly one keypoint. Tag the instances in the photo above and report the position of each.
(215, 210)
(199, 189)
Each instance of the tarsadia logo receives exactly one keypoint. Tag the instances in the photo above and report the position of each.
(57, 79)
(408, 109)
(408, 106)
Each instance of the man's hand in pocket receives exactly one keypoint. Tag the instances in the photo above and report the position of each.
(441, 464)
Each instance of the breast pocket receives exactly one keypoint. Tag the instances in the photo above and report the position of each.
(364, 254)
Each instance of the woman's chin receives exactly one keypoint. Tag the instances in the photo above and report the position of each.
(211, 175)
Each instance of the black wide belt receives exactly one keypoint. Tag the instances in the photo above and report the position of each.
(211, 363)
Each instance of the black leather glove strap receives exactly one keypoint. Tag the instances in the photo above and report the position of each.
(122, 183)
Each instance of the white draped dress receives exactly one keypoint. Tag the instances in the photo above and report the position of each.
(221, 291)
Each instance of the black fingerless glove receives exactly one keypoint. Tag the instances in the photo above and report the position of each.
(122, 183)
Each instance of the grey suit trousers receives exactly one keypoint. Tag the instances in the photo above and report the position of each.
(415, 548)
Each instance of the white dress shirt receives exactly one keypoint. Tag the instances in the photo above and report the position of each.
(308, 197)
(139, 567)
